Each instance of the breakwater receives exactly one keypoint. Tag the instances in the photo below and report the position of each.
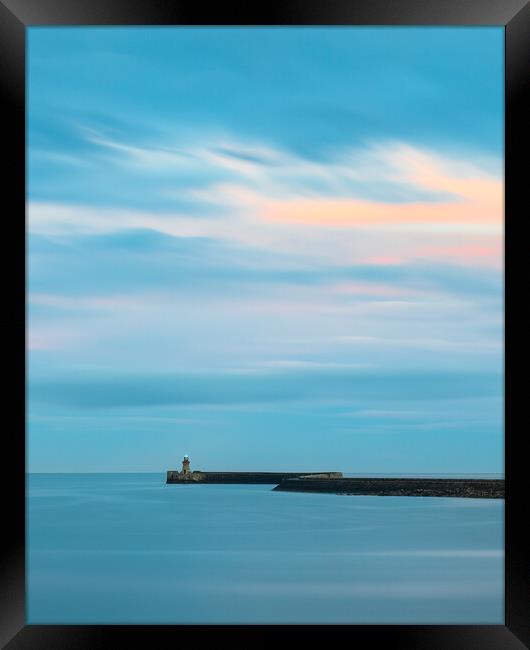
(419, 487)
(272, 478)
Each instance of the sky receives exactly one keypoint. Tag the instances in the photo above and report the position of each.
(269, 248)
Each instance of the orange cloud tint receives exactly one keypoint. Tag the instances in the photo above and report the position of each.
(357, 213)
(478, 198)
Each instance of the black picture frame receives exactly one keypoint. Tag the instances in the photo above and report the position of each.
(15, 17)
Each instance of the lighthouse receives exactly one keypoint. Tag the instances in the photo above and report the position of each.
(186, 465)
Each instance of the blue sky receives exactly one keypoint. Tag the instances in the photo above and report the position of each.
(269, 248)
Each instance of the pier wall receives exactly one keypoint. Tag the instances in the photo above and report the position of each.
(473, 488)
(271, 478)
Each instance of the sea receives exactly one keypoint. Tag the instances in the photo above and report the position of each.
(129, 549)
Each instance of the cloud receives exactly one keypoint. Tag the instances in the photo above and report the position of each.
(410, 589)
(476, 198)
(300, 384)
(151, 159)
(257, 197)
(139, 259)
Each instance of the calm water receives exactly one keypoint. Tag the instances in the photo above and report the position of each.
(126, 548)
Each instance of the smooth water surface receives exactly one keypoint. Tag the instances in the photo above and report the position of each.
(127, 548)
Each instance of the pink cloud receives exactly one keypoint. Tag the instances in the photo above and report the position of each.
(385, 260)
(488, 251)
(471, 253)
(371, 289)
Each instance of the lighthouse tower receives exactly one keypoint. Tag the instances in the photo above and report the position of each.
(186, 465)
